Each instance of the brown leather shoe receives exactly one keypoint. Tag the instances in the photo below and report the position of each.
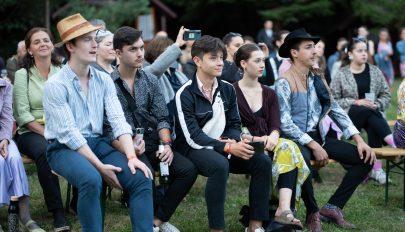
(335, 216)
(314, 222)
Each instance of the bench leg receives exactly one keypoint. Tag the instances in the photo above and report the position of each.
(68, 190)
(387, 164)
(102, 201)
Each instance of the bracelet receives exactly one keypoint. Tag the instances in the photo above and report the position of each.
(228, 150)
(166, 141)
(132, 157)
(252, 138)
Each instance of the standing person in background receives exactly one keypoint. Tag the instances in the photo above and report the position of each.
(352, 85)
(39, 64)
(401, 50)
(265, 35)
(275, 59)
(13, 180)
(99, 23)
(14, 62)
(362, 32)
(332, 59)
(230, 72)
(320, 60)
(384, 54)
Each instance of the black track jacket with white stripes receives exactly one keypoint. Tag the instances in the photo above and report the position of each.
(194, 113)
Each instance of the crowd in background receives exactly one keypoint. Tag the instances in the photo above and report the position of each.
(359, 75)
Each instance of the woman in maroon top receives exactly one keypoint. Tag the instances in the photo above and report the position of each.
(259, 111)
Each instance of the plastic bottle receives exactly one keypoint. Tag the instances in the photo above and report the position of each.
(163, 168)
(13, 225)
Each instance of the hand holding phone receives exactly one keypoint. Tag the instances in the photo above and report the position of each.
(257, 146)
(192, 35)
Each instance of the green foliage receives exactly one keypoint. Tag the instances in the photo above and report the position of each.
(299, 10)
(114, 13)
(381, 12)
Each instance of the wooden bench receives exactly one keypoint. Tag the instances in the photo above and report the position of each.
(27, 160)
(394, 157)
(391, 123)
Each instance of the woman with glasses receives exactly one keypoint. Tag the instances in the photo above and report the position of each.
(361, 89)
(105, 51)
(39, 64)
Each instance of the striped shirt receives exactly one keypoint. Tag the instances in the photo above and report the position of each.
(71, 116)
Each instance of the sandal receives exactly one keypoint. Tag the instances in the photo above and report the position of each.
(287, 218)
(29, 226)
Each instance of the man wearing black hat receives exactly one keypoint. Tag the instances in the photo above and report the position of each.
(305, 100)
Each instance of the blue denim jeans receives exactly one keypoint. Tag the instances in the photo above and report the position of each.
(78, 171)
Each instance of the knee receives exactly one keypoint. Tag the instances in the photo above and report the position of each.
(14, 159)
(189, 170)
(262, 163)
(220, 167)
(91, 182)
(139, 183)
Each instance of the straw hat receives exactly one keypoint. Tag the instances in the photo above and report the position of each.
(74, 26)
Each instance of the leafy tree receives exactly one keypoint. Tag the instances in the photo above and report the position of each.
(114, 12)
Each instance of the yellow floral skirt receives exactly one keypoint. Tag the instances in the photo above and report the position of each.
(287, 157)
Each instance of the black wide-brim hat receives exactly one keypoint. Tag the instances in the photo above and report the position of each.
(292, 38)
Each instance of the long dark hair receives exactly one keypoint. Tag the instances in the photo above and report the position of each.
(349, 48)
(28, 60)
(244, 52)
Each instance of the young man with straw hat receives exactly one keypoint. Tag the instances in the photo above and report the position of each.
(74, 103)
(304, 100)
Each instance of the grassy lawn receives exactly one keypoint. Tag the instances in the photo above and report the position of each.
(366, 208)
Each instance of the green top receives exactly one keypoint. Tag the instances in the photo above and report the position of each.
(27, 105)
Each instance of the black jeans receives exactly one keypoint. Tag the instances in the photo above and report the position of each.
(183, 174)
(373, 122)
(34, 145)
(216, 167)
(346, 154)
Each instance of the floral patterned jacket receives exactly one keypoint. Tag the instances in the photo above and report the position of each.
(344, 88)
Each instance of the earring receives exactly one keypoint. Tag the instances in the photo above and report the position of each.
(32, 56)
(350, 58)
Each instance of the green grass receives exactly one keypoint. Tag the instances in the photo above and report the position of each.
(366, 208)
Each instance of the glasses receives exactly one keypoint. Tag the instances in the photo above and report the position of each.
(100, 32)
(234, 34)
(358, 40)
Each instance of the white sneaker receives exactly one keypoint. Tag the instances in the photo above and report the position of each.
(379, 175)
(261, 229)
(167, 227)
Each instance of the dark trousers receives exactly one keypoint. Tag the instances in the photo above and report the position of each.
(216, 167)
(346, 154)
(34, 146)
(373, 122)
(183, 174)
